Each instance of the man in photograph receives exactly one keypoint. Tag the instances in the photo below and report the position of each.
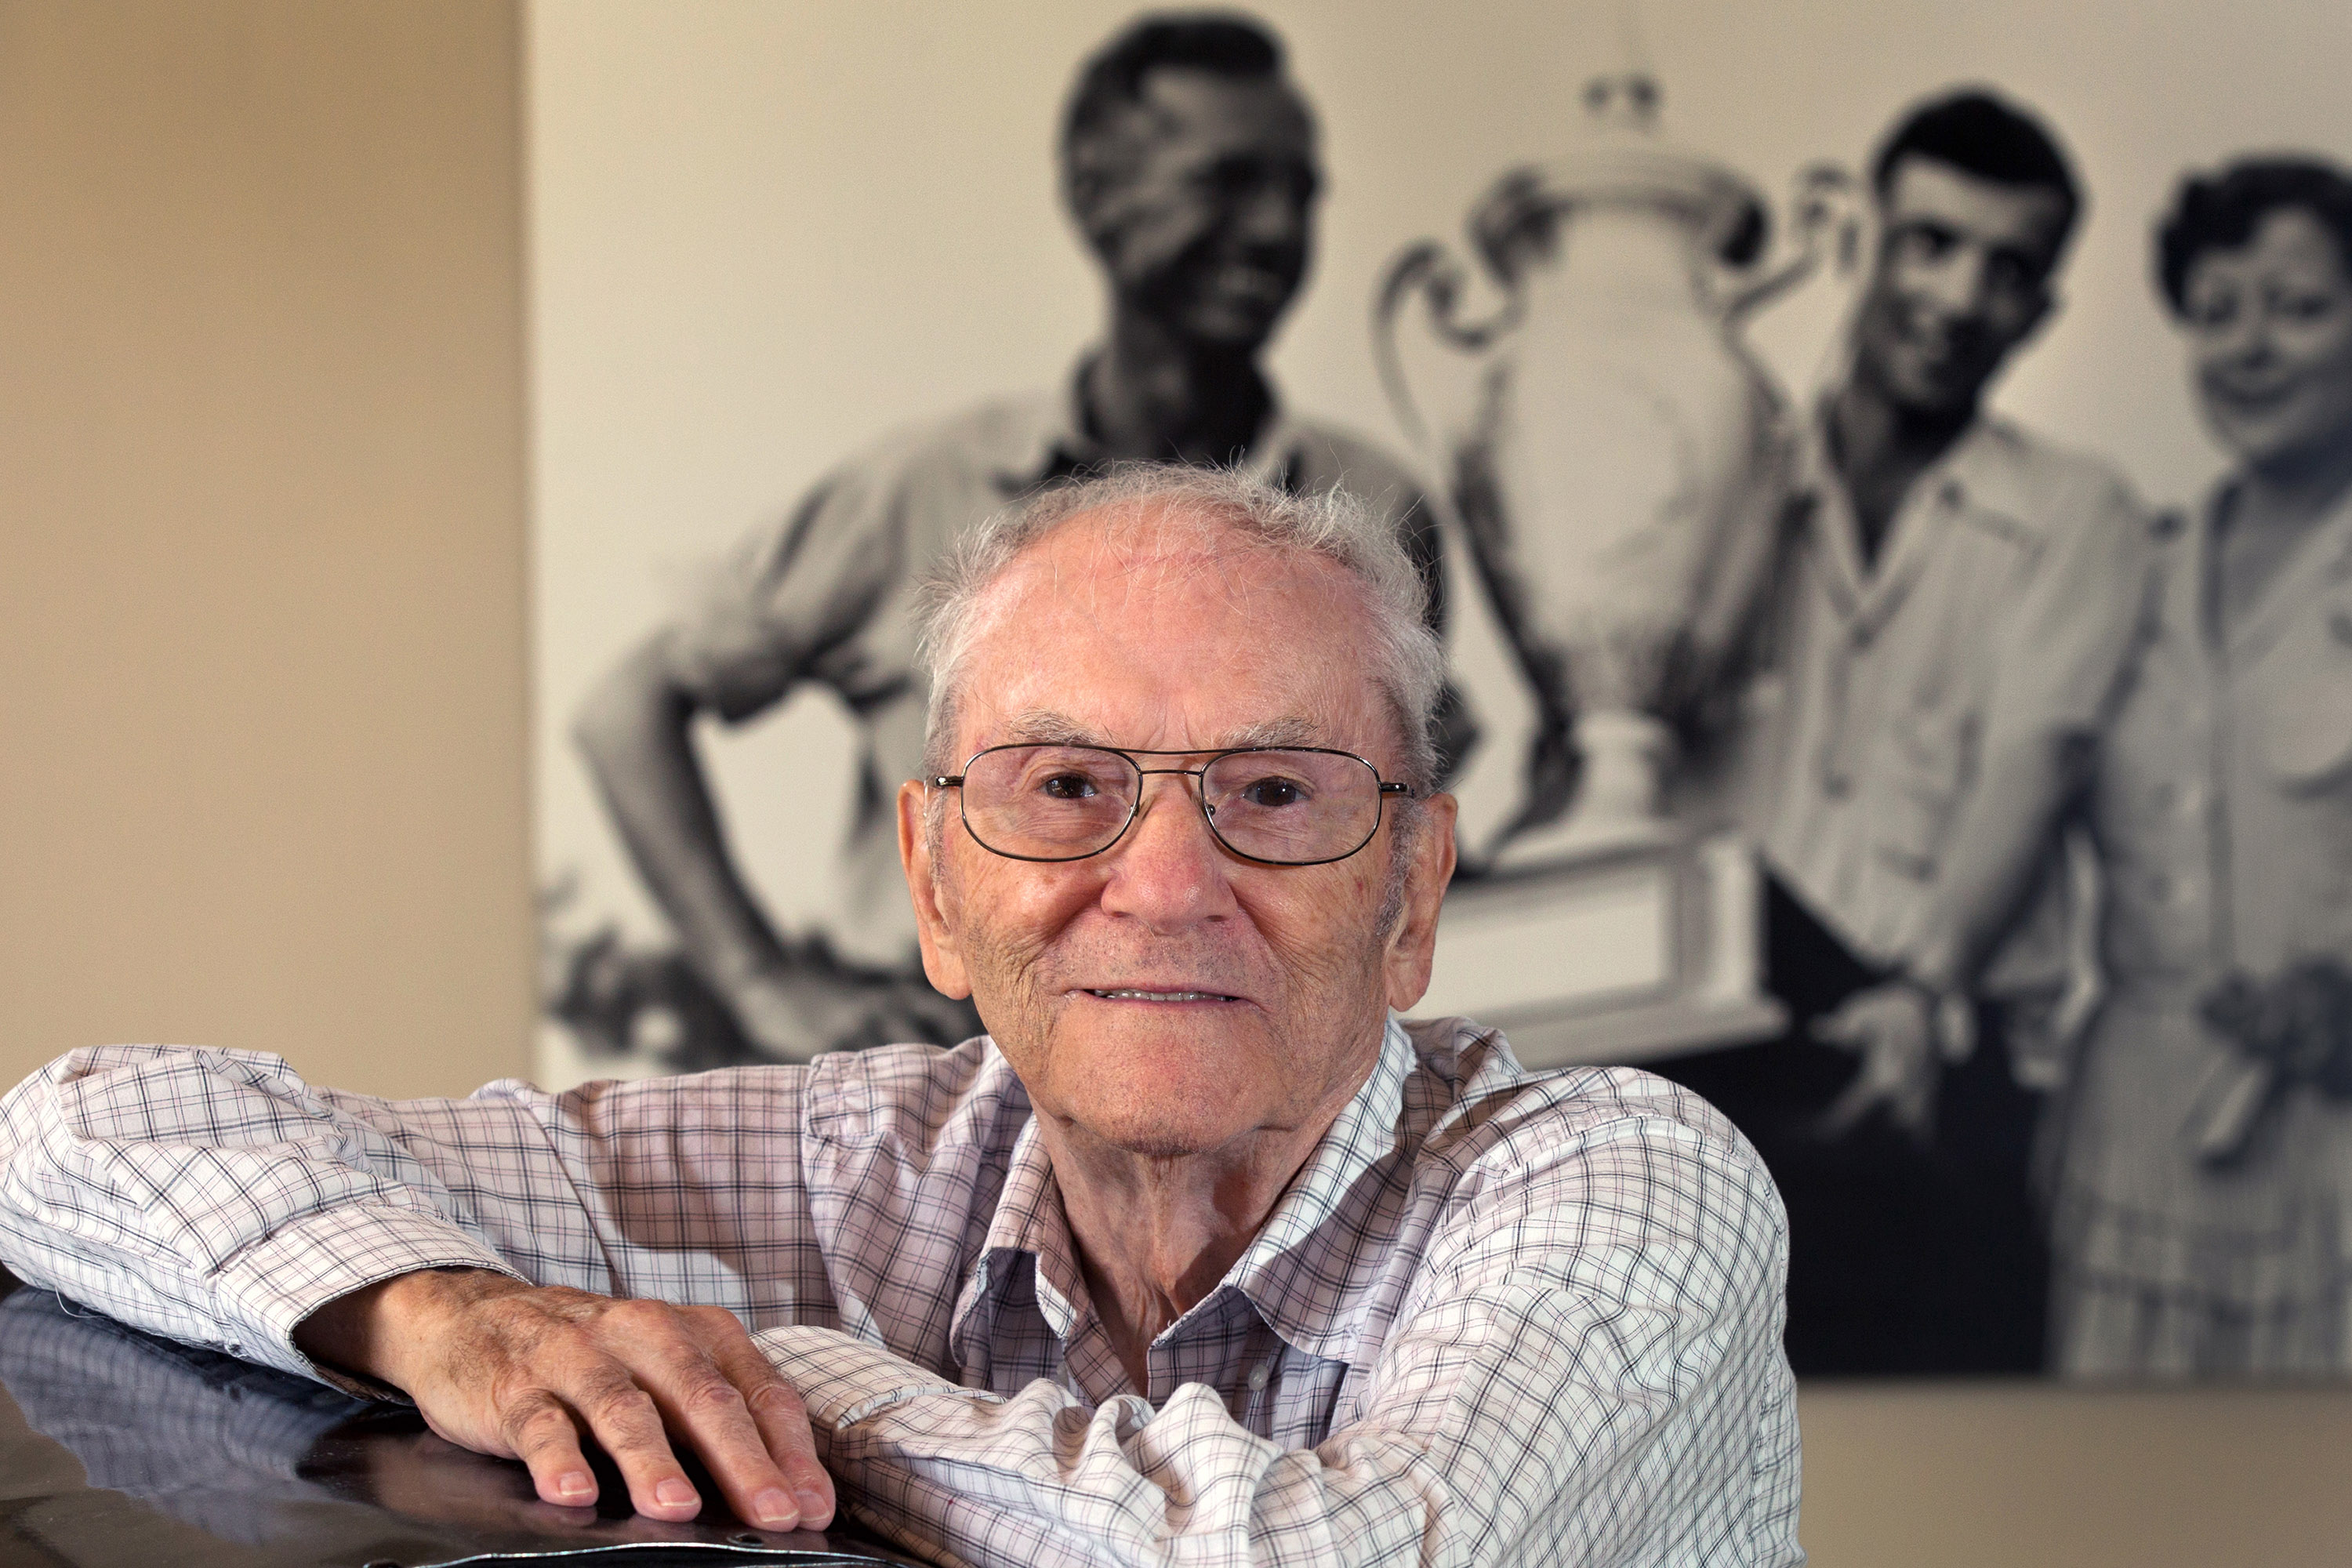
(1945, 570)
(1201, 1254)
(1189, 164)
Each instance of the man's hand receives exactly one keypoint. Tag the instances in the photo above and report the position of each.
(1893, 1029)
(523, 1371)
(793, 1013)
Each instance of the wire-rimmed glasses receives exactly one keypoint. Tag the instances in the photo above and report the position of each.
(1284, 805)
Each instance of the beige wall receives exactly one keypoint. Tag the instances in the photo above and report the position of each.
(261, 668)
(261, 603)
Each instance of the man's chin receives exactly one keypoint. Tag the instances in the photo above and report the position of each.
(1938, 390)
(1163, 1105)
(1231, 330)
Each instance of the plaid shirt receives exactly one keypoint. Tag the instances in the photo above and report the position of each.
(1497, 1317)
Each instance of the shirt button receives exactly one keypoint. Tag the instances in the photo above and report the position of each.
(1951, 494)
(1837, 786)
(1258, 1378)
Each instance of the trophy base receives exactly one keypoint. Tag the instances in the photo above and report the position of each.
(1619, 953)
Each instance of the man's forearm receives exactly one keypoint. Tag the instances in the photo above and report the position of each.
(2006, 830)
(366, 1330)
(633, 732)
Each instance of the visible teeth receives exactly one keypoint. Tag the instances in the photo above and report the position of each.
(1165, 995)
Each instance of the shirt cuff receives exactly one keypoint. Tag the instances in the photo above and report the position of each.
(843, 1379)
(266, 1291)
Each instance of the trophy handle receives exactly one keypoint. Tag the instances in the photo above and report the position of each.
(1826, 207)
(1428, 268)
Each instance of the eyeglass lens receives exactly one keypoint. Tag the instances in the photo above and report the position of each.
(1063, 802)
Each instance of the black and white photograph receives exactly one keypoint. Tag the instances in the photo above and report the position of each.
(1881, 475)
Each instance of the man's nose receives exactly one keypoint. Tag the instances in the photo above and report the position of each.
(1168, 869)
(1962, 286)
(1269, 212)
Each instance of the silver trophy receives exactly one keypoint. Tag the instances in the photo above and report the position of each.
(1619, 462)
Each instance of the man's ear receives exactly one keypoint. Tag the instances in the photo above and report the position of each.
(2045, 310)
(1413, 946)
(935, 906)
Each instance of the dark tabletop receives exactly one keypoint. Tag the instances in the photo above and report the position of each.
(117, 1447)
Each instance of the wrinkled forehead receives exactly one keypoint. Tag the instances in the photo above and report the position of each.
(1145, 627)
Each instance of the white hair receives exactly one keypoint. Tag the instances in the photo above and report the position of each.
(1400, 649)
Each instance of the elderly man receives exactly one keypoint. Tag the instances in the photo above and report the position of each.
(1201, 1252)
(1189, 164)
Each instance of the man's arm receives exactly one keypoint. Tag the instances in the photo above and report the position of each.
(2007, 829)
(785, 605)
(2059, 659)
(523, 1373)
(1588, 1370)
(635, 734)
(464, 1251)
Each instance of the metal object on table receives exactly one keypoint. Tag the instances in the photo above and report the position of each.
(1620, 462)
(119, 1448)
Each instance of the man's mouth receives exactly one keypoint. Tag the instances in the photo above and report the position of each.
(1129, 995)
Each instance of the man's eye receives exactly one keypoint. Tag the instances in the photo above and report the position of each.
(1070, 786)
(1272, 792)
(1924, 241)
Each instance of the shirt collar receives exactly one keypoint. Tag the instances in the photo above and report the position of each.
(1028, 1223)
(1313, 1238)
(1050, 438)
(1977, 479)
(1288, 1270)
(1984, 470)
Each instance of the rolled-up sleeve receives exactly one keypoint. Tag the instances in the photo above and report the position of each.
(788, 598)
(216, 1197)
(1589, 1371)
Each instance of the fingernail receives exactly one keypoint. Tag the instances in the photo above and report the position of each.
(575, 1483)
(812, 1504)
(674, 1492)
(775, 1510)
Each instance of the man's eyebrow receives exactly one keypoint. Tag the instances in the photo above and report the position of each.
(1045, 727)
(1291, 731)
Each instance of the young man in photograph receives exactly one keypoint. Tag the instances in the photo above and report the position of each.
(1946, 574)
(1189, 164)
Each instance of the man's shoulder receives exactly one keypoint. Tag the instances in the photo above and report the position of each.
(916, 1100)
(1326, 455)
(1477, 1106)
(2041, 483)
(1006, 434)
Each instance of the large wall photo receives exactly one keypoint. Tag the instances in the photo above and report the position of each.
(1886, 472)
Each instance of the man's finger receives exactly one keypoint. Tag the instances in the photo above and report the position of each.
(703, 1407)
(540, 1431)
(782, 1421)
(1842, 1030)
(1861, 1097)
(624, 1417)
(1913, 1110)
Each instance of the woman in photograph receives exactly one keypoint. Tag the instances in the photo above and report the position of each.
(2203, 1215)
